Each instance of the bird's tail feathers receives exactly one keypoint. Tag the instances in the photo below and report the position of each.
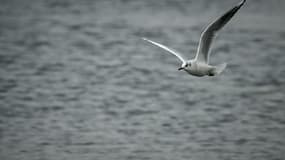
(219, 68)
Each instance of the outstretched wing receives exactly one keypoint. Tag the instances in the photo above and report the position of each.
(210, 32)
(178, 55)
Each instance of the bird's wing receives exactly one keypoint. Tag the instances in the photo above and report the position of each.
(210, 32)
(167, 49)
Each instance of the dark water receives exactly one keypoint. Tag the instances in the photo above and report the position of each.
(78, 83)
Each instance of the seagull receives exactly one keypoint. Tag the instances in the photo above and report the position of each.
(199, 66)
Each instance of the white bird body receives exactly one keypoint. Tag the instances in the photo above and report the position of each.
(199, 66)
(199, 69)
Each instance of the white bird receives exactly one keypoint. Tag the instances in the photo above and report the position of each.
(199, 66)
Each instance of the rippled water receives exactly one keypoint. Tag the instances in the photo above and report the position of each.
(77, 82)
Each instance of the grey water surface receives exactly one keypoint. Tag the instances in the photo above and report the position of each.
(78, 83)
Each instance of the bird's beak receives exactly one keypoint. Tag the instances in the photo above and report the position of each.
(179, 69)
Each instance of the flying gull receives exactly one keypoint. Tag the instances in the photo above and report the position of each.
(199, 66)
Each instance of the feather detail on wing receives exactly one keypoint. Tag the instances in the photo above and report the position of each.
(210, 32)
(177, 54)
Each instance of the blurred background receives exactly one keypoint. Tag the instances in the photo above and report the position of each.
(78, 83)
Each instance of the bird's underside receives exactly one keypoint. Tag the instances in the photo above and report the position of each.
(200, 69)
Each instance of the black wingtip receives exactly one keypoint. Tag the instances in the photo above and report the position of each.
(242, 2)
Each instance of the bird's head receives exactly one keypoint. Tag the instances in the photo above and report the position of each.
(184, 65)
